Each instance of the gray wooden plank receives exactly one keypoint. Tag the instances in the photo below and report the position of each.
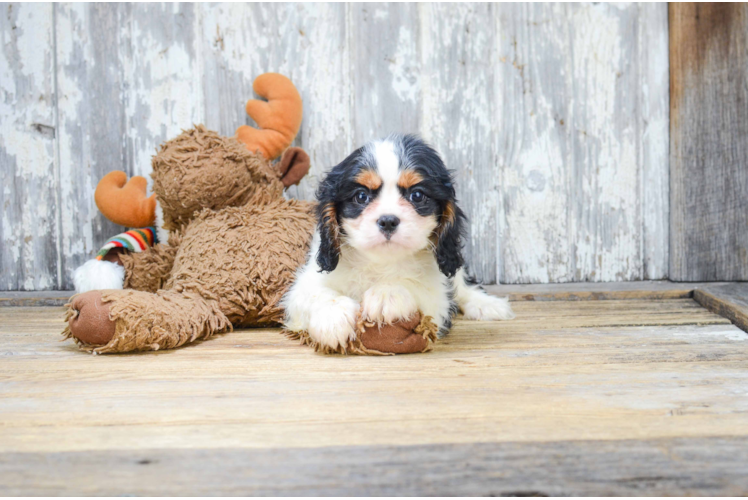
(29, 252)
(654, 123)
(92, 48)
(708, 142)
(559, 153)
(34, 299)
(134, 87)
(626, 290)
(307, 43)
(715, 466)
(570, 153)
(458, 44)
(728, 300)
(164, 81)
(385, 47)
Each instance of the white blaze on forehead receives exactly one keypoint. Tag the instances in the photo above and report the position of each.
(388, 199)
(388, 164)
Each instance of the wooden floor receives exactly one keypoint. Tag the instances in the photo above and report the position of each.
(599, 397)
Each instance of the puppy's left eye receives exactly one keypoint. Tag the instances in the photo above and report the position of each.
(361, 197)
(417, 196)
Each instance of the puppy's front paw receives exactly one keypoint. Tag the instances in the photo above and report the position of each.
(334, 324)
(386, 304)
(483, 307)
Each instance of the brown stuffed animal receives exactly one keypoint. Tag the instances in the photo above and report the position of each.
(235, 242)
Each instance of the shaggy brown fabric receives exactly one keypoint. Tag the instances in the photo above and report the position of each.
(164, 320)
(201, 169)
(235, 246)
(230, 266)
(150, 269)
(245, 258)
(402, 337)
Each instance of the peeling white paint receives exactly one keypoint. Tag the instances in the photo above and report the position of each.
(554, 117)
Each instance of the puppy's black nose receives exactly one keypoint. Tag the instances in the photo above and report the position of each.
(388, 223)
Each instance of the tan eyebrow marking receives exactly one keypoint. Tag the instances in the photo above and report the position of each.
(447, 219)
(409, 178)
(370, 179)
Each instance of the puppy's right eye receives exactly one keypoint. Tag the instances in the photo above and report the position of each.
(361, 197)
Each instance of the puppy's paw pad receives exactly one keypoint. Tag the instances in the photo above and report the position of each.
(387, 304)
(488, 308)
(334, 324)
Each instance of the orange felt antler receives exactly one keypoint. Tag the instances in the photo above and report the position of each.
(125, 203)
(279, 118)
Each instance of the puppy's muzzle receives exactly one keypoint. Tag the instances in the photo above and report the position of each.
(388, 225)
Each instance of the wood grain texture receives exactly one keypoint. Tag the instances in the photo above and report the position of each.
(607, 369)
(553, 117)
(575, 203)
(29, 224)
(308, 43)
(627, 290)
(569, 398)
(663, 467)
(459, 117)
(709, 141)
(727, 300)
(92, 122)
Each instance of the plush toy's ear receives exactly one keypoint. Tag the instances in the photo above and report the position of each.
(293, 166)
(125, 203)
(449, 239)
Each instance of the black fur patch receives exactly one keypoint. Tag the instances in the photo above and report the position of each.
(338, 188)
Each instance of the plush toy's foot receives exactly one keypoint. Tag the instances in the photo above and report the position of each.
(88, 320)
(401, 337)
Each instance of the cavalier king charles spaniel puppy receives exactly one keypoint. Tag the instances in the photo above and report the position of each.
(388, 243)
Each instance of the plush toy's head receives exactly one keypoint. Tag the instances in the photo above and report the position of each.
(201, 169)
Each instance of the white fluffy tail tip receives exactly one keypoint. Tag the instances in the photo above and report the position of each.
(488, 308)
(98, 275)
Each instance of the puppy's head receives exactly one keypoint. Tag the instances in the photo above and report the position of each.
(388, 199)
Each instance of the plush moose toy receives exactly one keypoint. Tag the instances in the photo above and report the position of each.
(234, 246)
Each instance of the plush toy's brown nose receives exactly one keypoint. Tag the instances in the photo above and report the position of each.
(388, 224)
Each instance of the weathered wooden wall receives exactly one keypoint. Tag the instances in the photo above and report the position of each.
(555, 117)
(709, 141)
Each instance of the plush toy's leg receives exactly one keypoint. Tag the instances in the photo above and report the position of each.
(128, 320)
(148, 271)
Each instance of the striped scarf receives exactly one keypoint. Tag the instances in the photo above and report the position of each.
(134, 240)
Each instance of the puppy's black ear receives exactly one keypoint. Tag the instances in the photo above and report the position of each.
(329, 230)
(449, 239)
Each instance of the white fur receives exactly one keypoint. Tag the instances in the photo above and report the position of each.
(98, 275)
(161, 233)
(326, 305)
(476, 304)
(387, 279)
